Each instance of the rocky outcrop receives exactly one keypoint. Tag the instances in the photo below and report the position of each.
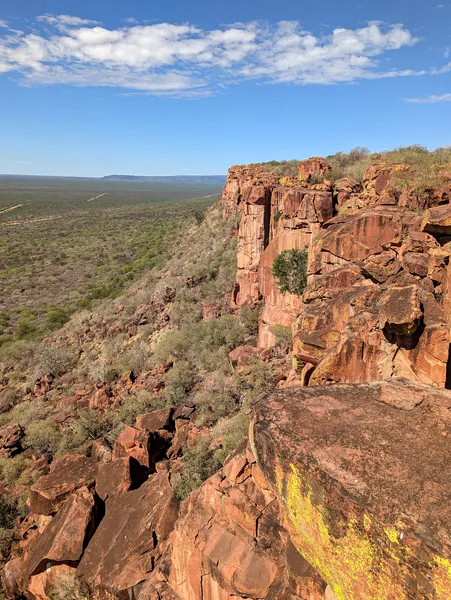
(375, 306)
(11, 440)
(67, 474)
(363, 477)
(229, 542)
(342, 494)
(131, 536)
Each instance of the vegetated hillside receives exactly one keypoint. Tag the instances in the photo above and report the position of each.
(164, 342)
(66, 244)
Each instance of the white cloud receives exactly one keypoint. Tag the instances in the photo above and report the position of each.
(3, 24)
(182, 58)
(66, 20)
(430, 99)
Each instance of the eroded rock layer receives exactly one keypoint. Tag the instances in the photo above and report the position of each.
(376, 305)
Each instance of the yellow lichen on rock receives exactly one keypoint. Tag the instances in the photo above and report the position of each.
(441, 579)
(352, 564)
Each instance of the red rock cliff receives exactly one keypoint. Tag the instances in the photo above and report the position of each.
(376, 302)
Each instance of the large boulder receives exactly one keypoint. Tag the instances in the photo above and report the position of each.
(11, 440)
(64, 538)
(146, 447)
(156, 420)
(437, 220)
(363, 474)
(229, 543)
(379, 182)
(52, 547)
(313, 167)
(131, 536)
(400, 309)
(67, 474)
(119, 476)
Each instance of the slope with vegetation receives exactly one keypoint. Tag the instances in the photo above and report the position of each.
(163, 342)
(136, 402)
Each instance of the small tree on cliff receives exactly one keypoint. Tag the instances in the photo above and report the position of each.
(290, 271)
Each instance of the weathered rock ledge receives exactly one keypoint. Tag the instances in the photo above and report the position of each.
(363, 473)
(343, 494)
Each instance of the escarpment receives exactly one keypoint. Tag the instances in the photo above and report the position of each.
(342, 490)
(376, 303)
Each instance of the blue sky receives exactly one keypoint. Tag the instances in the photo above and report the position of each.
(93, 87)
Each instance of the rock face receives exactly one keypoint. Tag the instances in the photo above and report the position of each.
(342, 494)
(229, 543)
(364, 480)
(131, 536)
(67, 474)
(375, 306)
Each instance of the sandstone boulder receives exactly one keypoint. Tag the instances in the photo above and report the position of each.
(155, 420)
(64, 539)
(67, 474)
(131, 536)
(363, 474)
(144, 446)
(401, 310)
(11, 440)
(119, 476)
(243, 356)
(315, 166)
(379, 182)
(437, 220)
(229, 542)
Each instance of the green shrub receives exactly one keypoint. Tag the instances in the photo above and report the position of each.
(54, 360)
(26, 326)
(73, 439)
(258, 378)
(205, 345)
(26, 413)
(137, 358)
(8, 512)
(56, 318)
(353, 164)
(231, 431)
(67, 586)
(217, 398)
(94, 424)
(290, 271)
(199, 463)
(249, 318)
(43, 436)
(6, 540)
(14, 467)
(179, 381)
(284, 168)
(283, 336)
(135, 404)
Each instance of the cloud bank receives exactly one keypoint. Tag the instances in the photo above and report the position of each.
(182, 59)
(430, 99)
